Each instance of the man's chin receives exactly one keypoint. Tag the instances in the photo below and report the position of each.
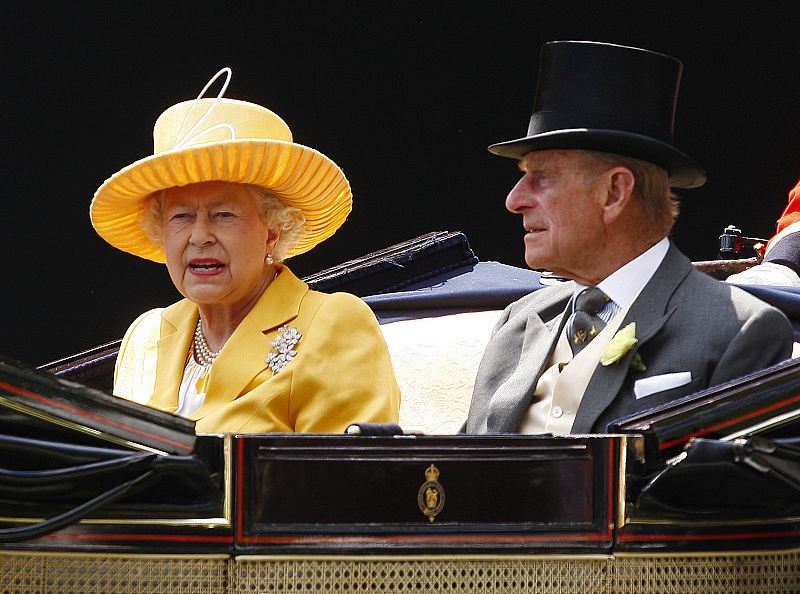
(545, 266)
(534, 262)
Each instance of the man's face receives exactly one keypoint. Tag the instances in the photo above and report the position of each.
(559, 198)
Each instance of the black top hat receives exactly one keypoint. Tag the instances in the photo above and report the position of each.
(610, 98)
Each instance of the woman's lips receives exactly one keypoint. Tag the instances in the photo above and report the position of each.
(205, 267)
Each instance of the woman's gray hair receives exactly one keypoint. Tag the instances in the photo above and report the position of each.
(288, 220)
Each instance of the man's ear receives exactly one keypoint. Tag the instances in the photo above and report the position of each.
(620, 184)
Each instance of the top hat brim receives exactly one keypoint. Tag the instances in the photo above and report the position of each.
(682, 170)
(299, 176)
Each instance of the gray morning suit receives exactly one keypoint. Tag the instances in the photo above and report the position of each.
(685, 321)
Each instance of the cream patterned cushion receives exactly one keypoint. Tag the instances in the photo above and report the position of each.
(436, 360)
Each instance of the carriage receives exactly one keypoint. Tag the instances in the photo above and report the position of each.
(104, 495)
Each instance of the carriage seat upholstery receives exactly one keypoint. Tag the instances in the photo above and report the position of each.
(436, 360)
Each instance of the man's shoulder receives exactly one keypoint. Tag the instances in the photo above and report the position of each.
(693, 287)
(721, 312)
(712, 289)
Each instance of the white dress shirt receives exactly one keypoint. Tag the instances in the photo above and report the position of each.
(624, 285)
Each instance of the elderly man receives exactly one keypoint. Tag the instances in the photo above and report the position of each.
(637, 326)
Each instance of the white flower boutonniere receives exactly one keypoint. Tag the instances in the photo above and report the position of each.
(283, 348)
(622, 342)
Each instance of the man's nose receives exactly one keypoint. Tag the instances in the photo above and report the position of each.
(519, 198)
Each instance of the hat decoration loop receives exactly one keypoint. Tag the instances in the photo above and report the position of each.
(192, 135)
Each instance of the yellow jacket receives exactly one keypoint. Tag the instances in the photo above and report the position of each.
(342, 372)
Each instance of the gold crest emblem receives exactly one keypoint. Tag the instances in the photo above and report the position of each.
(430, 496)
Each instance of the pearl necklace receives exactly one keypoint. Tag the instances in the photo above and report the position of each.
(202, 352)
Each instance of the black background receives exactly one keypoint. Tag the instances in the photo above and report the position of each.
(404, 96)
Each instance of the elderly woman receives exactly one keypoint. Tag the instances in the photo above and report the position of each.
(225, 199)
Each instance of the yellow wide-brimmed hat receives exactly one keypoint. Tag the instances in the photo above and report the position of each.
(222, 140)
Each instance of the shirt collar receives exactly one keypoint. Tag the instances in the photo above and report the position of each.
(625, 284)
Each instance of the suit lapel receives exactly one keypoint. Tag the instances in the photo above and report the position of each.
(540, 332)
(650, 311)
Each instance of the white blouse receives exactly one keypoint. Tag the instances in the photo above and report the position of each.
(194, 384)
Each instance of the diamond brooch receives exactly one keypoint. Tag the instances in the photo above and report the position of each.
(283, 350)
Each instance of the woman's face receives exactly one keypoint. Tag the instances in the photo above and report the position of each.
(215, 240)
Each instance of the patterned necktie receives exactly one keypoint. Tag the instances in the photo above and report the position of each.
(584, 324)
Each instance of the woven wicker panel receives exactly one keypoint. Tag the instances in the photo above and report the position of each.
(51, 573)
(774, 572)
(251, 575)
(21, 573)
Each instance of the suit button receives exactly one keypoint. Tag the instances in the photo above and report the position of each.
(556, 412)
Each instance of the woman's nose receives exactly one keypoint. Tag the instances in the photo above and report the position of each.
(201, 232)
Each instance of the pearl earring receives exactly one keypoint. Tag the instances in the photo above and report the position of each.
(268, 260)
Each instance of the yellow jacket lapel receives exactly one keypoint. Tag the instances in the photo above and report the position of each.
(244, 356)
(177, 329)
